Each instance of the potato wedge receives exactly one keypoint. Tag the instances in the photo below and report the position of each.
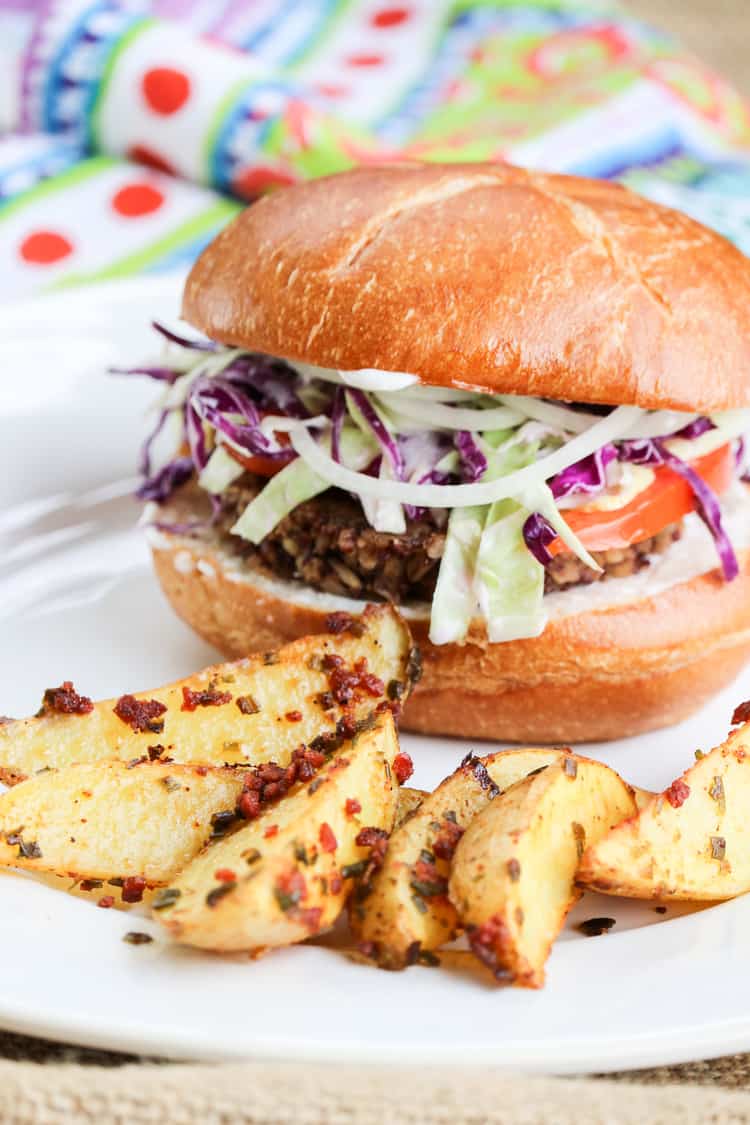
(93, 891)
(403, 909)
(513, 874)
(409, 801)
(285, 876)
(103, 820)
(691, 842)
(252, 710)
(642, 796)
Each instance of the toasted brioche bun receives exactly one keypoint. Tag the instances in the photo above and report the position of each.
(597, 675)
(485, 276)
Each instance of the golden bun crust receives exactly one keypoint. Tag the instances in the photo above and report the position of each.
(485, 276)
(598, 675)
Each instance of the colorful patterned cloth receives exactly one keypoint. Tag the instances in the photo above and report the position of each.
(138, 125)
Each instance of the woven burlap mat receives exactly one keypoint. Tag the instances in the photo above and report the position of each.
(45, 1083)
(730, 1072)
(277, 1094)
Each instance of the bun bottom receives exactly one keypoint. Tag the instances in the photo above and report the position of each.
(599, 675)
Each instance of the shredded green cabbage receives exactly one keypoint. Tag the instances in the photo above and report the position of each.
(294, 484)
(486, 568)
(509, 581)
(220, 471)
(454, 602)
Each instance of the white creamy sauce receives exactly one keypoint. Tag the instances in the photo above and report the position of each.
(692, 449)
(365, 379)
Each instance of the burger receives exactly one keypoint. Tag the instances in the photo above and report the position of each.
(510, 403)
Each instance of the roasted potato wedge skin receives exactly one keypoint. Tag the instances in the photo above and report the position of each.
(285, 685)
(290, 866)
(103, 820)
(690, 842)
(513, 876)
(389, 916)
(90, 890)
(409, 801)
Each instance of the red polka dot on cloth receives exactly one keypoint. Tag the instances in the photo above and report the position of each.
(137, 199)
(332, 90)
(165, 89)
(390, 17)
(145, 155)
(364, 59)
(45, 247)
(253, 181)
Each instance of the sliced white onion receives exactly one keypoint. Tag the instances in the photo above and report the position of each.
(660, 423)
(732, 423)
(613, 427)
(438, 416)
(272, 424)
(657, 423)
(426, 393)
(211, 365)
(550, 413)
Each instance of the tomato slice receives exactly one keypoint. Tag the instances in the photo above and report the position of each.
(667, 499)
(257, 463)
(261, 466)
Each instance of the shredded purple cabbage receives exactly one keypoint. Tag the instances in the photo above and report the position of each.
(196, 437)
(161, 485)
(538, 534)
(740, 460)
(188, 527)
(587, 476)
(384, 438)
(373, 469)
(269, 382)
(640, 451)
(473, 461)
(337, 421)
(184, 341)
(696, 428)
(232, 402)
(144, 458)
(434, 476)
(437, 476)
(421, 451)
(707, 507)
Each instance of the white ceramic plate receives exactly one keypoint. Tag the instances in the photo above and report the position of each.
(78, 601)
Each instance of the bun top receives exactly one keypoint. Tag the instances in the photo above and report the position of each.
(486, 277)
